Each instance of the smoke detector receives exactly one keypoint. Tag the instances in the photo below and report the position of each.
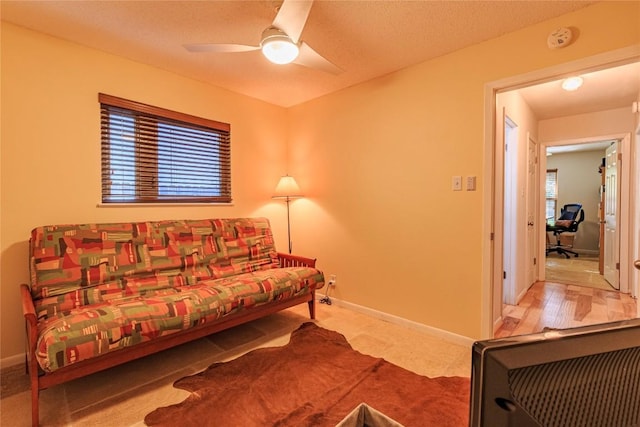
(559, 38)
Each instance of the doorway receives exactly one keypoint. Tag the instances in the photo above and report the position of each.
(575, 173)
(494, 166)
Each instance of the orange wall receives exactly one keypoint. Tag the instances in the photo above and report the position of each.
(50, 170)
(384, 153)
(375, 161)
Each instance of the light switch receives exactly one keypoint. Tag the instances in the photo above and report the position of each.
(471, 183)
(456, 183)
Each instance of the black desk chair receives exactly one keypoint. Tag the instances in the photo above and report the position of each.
(571, 216)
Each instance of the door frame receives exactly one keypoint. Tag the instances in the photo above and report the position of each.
(536, 250)
(493, 169)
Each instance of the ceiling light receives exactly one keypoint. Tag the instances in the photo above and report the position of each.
(278, 47)
(572, 83)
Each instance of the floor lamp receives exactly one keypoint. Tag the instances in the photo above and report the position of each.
(287, 189)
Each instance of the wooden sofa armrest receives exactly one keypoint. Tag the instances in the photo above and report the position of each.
(31, 326)
(28, 310)
(288, 260)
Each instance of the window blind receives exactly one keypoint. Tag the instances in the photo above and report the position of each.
(552, 184)
(153, 155)
(551, 193)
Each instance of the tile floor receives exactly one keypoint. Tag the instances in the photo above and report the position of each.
(122, 396)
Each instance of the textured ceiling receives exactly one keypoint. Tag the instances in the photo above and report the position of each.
(365, 38)
(607, 89)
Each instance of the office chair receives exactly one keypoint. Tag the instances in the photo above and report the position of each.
(571, 216)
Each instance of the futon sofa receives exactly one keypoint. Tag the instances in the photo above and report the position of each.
(104, 294)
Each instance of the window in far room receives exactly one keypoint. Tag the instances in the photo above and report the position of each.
(551, 194)
(153, 155)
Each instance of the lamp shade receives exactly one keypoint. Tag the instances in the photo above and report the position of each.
(287, 188)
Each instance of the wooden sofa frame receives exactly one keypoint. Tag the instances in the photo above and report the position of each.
(41, 380)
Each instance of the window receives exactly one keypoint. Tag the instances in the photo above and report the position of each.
(551, 193)
(153, 155)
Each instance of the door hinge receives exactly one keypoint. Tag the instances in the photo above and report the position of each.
(617, 266)
(620, 156)
(535, 261)
(504, 274)
(491, 236)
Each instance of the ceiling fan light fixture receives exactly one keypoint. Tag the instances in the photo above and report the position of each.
(277, 47)
(572, 83)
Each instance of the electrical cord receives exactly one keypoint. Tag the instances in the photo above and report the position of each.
(326, 299)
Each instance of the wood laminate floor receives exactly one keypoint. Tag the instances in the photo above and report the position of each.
(557, 305)
(581, 271)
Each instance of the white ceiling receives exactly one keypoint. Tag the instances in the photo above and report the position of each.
(574, 148)
(608, 89)
(365, 38)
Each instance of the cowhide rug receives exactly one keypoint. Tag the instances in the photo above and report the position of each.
(315, 380)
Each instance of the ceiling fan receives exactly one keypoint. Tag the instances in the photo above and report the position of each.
(280, 41)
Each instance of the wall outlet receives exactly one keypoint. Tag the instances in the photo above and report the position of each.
(332, 280)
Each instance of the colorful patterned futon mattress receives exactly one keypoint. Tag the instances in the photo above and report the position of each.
(101, 287)
(68, 337)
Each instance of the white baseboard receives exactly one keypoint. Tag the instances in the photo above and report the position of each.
(440, 333)
(587, 252)
(497, 324)
(12, 361)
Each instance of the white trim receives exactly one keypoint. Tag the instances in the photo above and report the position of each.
(626, 226)
(396, 320)
(521, 295)
(488, 218)
(587, 252)
(14, 360)
(490, 206)
(498, 324)
(634, 275)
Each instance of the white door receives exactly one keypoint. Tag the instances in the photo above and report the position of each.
(510, 230)
(611, 207)
(532, 241)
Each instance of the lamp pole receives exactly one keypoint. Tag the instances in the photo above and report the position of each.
(288, 225)
(288, 190)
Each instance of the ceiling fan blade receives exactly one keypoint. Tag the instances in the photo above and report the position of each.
(219, 47)
(292, 17)
(312, 59)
